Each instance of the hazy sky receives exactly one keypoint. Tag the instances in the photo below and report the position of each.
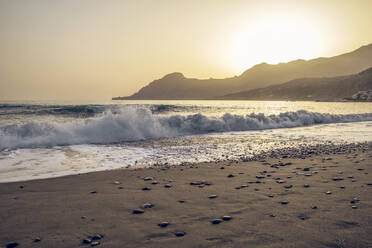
(96, 49)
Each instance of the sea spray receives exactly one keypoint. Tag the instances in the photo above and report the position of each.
(134, 124)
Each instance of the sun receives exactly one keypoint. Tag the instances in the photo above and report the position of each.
(272, 40)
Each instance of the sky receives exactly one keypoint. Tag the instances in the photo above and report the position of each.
(97, 49)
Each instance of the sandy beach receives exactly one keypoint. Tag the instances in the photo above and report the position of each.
(321, 200)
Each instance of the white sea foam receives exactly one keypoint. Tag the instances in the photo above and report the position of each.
(134, 124)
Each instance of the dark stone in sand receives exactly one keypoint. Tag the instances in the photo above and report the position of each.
(167, 186)
(146, 188)
(216, 221)
(148, 178)
(195, 183)
(369, 184)
(181, 201)
(163, 224)
(95, 243)
(147, 205)
(342, 187)
(306, 169)
(354, 207)
(12, 244)
(154, 182)
(260, 177)
(360, 169)
(303, 217)
(222, 168)
(280, 181)
(36, 239)
(288, 186)
(226, 218)
(138, 211)
(314, 207)
(328, 192)
(121, 187)
(93, 192)
(87, 241)
(337, 178)
(272, 215)
(97, 237)
(230, 175)
(284, 202)
(21, 187)
(307, 175)
(212, 196)
(271, 196)
(180, 234)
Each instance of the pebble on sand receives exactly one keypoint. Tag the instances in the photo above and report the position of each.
(146, 188)
(95, 243)
(284, 202)
(168, 186)
(212, 196)
(216, 221)
(12, 244)
(306, 185)
(328, 192)
(226, 218)
(230, 175)
(163, 224)
(138, 211)
(36, 239)
(180, 234)
(147, 205)
(148, 179)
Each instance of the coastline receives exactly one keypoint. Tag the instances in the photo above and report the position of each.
(267, 199)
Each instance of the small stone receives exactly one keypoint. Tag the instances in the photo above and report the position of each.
(288, 186)
(154, 182)
(216, 221)
(167, 186)
(180, 234)
(148, 179)
(12, 244)
(138, 211)
(97, 237)
(308, 175)
(260, 177)
(95, 243)
(87, 241)
(222, 168)
(230, 175)
(181, 201)
(120, 187)
(314, 207)
(147, 205)
(306, 185)
(342, 187)
(284, 202)
(146, 188)
(195, 183)
(306, 169)
(116, 182)
(226, 218)
(163, 224)
(280, 181)
(212, 196)
(328, 192)
(36, 239)
(271, 196)
(93, 192)
(337, 178)
(354, 207)
(272, 215)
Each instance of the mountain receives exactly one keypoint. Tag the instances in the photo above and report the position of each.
(324, 88)
(177, 86)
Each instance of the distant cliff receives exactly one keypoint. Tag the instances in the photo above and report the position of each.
(176, 86)
(353, 87)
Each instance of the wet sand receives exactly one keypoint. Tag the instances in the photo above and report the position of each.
(322, 200)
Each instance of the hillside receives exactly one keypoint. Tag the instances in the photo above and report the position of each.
(176, 86)
(325, 88)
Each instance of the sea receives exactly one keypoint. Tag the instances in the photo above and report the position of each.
(45, 139)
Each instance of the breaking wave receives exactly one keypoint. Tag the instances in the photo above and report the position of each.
(134, 124)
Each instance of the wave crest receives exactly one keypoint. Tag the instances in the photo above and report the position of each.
(134, 124)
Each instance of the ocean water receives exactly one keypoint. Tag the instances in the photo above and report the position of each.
(51, 139)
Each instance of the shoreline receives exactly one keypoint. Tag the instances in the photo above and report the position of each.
(267, 200)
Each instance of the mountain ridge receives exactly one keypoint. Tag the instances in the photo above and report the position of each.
(175, 86)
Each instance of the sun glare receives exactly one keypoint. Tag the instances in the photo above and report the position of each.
(273, 40)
